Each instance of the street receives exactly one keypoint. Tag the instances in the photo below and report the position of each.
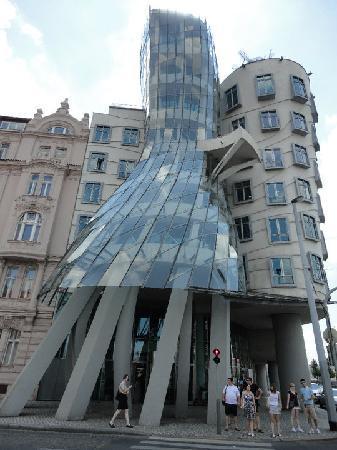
(49, 440)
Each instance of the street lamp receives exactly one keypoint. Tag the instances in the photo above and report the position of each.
(331, 338)
(330, 404)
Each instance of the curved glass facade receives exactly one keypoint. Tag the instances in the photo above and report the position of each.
(168, 225)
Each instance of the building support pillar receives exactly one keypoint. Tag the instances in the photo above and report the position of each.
(123, 342)
(261, 377)
(220, 338)
(77, 395)
(24, 386)
(163, 359)
(290, 351)
(184, 363)
(273, 374)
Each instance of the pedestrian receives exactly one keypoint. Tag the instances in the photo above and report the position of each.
(307, 397)
(293, 404)
(257, 391)
(248, 406)
(122, 397)
(275, 406)
(231, 401)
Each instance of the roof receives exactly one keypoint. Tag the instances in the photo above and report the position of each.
(15, 119)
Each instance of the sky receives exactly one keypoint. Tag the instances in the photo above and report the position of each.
(88, 51)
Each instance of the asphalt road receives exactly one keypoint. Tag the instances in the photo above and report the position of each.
(48, 440)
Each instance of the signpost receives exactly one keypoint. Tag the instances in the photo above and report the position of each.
(216, 359)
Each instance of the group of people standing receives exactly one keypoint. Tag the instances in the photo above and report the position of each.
(248, 399)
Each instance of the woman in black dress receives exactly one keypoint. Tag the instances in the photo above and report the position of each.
(122, 397)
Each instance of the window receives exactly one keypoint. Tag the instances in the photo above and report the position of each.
(242, 192)
(82, 223)
(310, 227)
(125, 168)
(60, 152)
(12, 126)
(130, 136)
(58, 130)
(240, 122)
(40, 185)
(282, 272)
(275, 193)
(11, 276)
(232, 98)
(300, 155)
(102, 134)
(304, 189)
(298, 88)
(243, 229)
(97, 162)
(28, 227)
(269, 120)
(44, 151)
(63, 350)
(317, 269)
(272, 158)
(299, 123)
(3, 149)
(11, 347)
(46, 185)
(278, 229)
(92, 193)
(27, 282)
(265, 88)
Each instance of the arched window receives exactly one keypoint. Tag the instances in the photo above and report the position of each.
(28, 227)
(58, 129)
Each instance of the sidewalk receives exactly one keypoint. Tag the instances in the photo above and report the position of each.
(41, 416)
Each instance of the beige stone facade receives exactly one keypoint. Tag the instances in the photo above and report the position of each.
(40, 170)
(271, 99)
(116, 142)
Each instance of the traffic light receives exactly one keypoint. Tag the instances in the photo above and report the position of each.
(216, 353)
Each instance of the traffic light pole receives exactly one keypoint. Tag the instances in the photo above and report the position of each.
(218, 407)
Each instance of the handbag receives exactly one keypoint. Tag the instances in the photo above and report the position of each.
(118, 396)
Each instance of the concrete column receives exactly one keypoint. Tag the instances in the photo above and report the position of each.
(183, 362)
(261, 377)
(220, 338)
(290, 351)
(24, 386)
(164, 357)
(273, 374)
(37, 285)
(77, 395)
(123, 342)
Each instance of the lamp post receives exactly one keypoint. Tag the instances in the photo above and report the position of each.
(331, 338)
(330, 404)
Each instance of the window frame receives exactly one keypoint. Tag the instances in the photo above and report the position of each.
(314, 278)
(16, 126)
(15, 341)
(58, 149)
(301, 131)
(271, 128)
(66, 130)
(105, 162)
(268, 219)
(78, 231)
(101, 141)
(268, 202)
(4, 147)
(277, 285)
(265, 159)
(127, 161)
(315, 238)
(234, 106)
(296, 162)
(299, 191)
(267, 96)
(242, 118)
(235, 199)
(9, 288)
(35, 231)
(27, 292)
(123, 141)
(250, 238)
(295, 95)
(100, 193)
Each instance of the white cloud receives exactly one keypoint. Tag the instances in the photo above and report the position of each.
(31, 31)
(8, 13)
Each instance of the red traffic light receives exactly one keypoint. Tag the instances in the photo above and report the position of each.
(216, 352)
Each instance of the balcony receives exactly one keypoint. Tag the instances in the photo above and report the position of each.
(318, 179)
(320, 209)
(315, 142)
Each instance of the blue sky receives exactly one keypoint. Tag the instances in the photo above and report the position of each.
(89, 51)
